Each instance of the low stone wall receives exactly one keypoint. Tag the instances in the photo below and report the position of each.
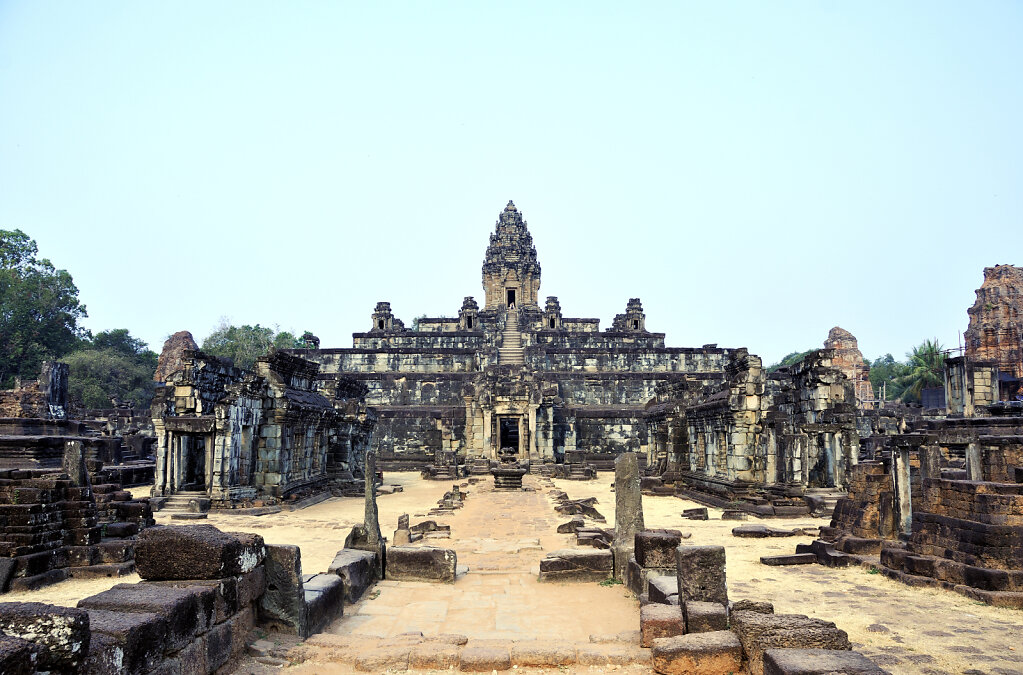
(51, 529)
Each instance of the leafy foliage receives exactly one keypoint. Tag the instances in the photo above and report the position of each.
(39, 309)
(111, 367)
(794, 357)
(885, 372)
(244, 344)
(925, 368)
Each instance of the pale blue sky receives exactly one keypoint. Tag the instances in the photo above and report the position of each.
(755, 172)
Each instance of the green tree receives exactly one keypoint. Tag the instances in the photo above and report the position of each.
(885, 372)
(244, 344)
(112, 366)
(925, 368)
(790, 359)
(39, 309)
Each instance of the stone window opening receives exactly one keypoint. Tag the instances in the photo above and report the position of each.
(552, 322)
(468, 322)
(380, 324)
(635, 324)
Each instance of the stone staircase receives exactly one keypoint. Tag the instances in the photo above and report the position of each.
(510, 352)
(180, 501)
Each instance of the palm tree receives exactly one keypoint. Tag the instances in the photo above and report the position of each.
(926, 369)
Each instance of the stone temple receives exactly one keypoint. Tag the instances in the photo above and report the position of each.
(516, 374)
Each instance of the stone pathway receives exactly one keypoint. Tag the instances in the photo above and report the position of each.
(501, 536)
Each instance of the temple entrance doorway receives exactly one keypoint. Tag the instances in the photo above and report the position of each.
(510, 296)
(193, 462)
(509, 433)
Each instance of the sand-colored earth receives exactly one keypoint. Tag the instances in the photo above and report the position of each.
(501, 537)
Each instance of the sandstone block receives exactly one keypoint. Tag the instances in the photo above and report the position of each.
(383, 659)
(704, 617)
(60, 633)
(576, 565)
(282, 606)
(701, 573)
(421, 563)
(656, 548)
(17, 656)
(195, 552)
(659, 621)
(434, 656)
(818, 662)
(537, 654)
(759, 632)
(324, 599)
(663, 589)
(752, 606)
(716, 653)
(483, 658)
(188, 611)
(136, 638)
(356, 568)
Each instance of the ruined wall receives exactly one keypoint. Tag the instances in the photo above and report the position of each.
(969, 385)
(46, 398)
(868, 510)
(608, 432)
(995, 332)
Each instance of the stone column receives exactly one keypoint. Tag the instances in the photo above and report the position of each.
(930, 461)
(974, 466)
(628, 511)
(903, 490)
(371, 521)
(73, 464)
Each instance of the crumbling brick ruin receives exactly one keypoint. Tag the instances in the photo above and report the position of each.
(235, 436)
(995, 332)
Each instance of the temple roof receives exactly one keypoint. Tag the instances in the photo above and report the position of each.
(511, 245)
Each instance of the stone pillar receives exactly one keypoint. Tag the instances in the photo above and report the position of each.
(974, 466)
(903, 490)
(371, 520)
(73, 464)
(628, 511)
(930, 461)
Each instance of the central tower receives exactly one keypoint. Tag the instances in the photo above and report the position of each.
(511, 274)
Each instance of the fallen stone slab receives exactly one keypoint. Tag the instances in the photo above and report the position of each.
(763, 532)
(734, 514)
(759, 632)
(421, 563)
(582, 507)
(357, 570)
(660, 621)
(61, 634)
(571, 526)
(576, 565)
(195, 552)
(701, 573)
(696, 514)
(790, 559)
(715, 653)
(429, 526)
(818, 662)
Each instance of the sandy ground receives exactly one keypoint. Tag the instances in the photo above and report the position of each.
(502, 536)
